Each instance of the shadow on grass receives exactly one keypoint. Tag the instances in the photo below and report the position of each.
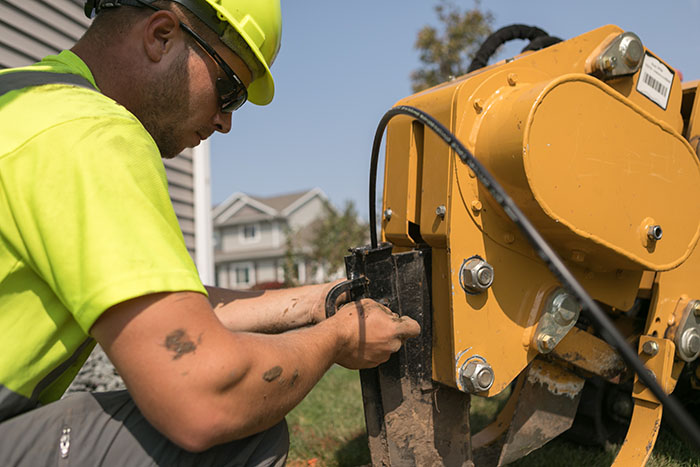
(354, 453)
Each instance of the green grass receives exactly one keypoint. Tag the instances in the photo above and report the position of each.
(327, 429)
(329, 424)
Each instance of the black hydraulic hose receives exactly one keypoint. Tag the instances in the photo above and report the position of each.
(500, 37)
(603, 324)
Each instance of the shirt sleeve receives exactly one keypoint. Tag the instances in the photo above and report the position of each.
(89, 200)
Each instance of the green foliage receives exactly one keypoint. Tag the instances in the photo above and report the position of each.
(335, 232)
(447, 53)
(289, 267)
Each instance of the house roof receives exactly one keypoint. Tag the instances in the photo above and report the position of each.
(241, 207)
(282, 201)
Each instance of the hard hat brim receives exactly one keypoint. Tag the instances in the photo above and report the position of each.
(261, 90)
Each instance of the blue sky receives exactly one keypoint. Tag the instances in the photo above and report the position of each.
(343, 64)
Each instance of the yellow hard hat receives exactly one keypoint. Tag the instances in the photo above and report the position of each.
(259, 24)
(251, 28)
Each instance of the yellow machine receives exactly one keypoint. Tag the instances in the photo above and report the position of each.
(594, 139)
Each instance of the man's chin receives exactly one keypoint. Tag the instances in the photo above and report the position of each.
(170, 151)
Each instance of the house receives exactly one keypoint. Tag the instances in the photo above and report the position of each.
(251, 238)
(31, 30)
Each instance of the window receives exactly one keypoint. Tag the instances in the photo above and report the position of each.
(242, 275)
(217, 239)
(250, 233)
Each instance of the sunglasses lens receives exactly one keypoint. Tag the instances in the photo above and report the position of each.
(232, 95)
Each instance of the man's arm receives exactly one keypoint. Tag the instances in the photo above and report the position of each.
(270, 311)
(201, 384)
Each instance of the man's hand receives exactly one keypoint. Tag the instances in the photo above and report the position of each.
(371, 333)
(318, 309)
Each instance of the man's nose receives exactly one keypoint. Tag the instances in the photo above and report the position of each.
(222, 122)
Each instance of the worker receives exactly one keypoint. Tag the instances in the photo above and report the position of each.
(90, 250)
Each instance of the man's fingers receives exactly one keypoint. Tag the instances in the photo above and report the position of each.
(408, 328)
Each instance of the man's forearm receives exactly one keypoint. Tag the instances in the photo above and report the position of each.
(270, 311)
(200, 384)
(276, 377)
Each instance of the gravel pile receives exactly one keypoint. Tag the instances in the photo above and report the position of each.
(97, 375)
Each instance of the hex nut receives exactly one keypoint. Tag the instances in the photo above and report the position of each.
(440, 211)
(477, 275)
(650, 348)
(655, 233)
(388, 213)
(546, 343)
(477, 376)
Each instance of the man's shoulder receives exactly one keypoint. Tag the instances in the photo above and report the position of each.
(65, 110)
(45, 95)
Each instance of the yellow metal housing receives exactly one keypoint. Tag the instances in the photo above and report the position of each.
(593, 164)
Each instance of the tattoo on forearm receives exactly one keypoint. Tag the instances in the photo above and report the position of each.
(272, 374)
(180, 342)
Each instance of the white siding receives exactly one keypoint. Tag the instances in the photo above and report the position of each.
(232, 238)
(267, 271)
(306, 213)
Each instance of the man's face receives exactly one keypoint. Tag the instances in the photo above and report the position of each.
(180, 106)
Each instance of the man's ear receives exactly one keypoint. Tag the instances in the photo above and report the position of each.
(159, 34)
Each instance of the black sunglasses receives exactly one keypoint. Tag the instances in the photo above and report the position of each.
(232, 92)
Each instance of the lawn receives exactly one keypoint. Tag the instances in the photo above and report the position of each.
(327, 429)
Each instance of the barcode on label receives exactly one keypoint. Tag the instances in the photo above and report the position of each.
(655, 84)
(655, 80)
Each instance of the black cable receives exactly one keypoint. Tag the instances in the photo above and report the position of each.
(603, 324)
(540, 43)
(509, 33)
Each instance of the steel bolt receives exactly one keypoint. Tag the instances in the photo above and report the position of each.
(609, 63)
(478, 105)
(650, 348)
(476, 206)
(565, 308)
(546, 343)
(484, 277)
(690, 340)
(477, 376)
(655, 232)
(512, 79)
(388, 213)
(477, 275)
(632, 51)
(578, 256)
(441, 211)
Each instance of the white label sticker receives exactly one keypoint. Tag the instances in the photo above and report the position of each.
(655, 80)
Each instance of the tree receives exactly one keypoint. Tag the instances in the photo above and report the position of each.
(335, 233)
(292, 252)
(447, 55)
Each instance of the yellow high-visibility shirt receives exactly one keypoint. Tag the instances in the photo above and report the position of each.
(86, 223)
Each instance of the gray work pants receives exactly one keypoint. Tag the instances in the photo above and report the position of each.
(107, 429)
